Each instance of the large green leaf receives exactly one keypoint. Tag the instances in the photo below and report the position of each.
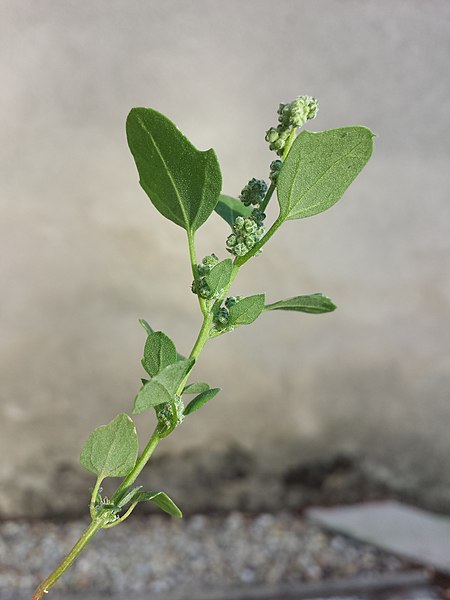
(319, 168)
(312, 303)
(246, 310)
(182, 182)
(111, 450)
(162, 387)
(159, 352)
(229, 208)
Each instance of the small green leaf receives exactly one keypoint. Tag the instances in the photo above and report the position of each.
(161, 500)
(246, 310)
(229, 208)
(162, 387)
(196, 388)
(127, 496)
(319, 168)
(111, 450)
(200, 400)
(159, 352)
(219, 276)
(146, 326)
(313, 303)
(182, 182)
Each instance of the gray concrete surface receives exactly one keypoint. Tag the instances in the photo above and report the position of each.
(406, 531)
(84, 254)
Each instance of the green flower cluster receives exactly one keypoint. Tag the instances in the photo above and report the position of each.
(247, 231)
(169, 416)
(290, 116)
(254, 192)
(275, 168)
(202, 288)
(222, 316)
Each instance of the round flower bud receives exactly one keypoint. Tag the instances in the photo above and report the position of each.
(222, 317)
(272, 135)
(240, 249)
(231, 301)
(231, 240)
(275, 167)
(238, 223)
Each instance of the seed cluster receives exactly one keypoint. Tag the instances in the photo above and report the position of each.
(253, 193)
(201, 288)
(247, 231)
(222, 316)
(290, 116)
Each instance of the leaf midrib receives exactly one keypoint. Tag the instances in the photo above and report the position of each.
(177, 194)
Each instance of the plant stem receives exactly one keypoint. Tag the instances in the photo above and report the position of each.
(193, 259)
(140, 464)
(93, 528)
(267, 197)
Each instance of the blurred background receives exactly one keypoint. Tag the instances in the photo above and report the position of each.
(324, 409)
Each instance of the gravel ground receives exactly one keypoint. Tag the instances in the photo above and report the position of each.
(158, 555)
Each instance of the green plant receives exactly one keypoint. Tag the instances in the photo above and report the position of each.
(184, 184)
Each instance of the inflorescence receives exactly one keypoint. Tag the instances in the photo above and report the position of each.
(290, 116)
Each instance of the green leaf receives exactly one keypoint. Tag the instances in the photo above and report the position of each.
(246, 310)
(162, 387)
(159, 352)
(196, 388)
(319, 168)
(126, 496)
(229, 208)
(219, 277)
(313, 303)
(182, 182)
(146, 326)
(111, 450)
(161, 500)
(200, 400)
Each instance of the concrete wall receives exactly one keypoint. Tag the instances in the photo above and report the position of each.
(84, 254)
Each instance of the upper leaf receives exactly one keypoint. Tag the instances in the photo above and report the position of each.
(229, 208)
(196, 388)
(319, 168)
(159, 352)
(312, 303)
(111, 450)
(219, 276)
(182, 182)
(246, 310)
(162, 387)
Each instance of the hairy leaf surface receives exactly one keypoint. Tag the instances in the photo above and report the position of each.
(246, 310)
(219, 276)
(162, 387)
(229, 208)
(159, 352)
(182, 182)
(111, 450)
(319, 168)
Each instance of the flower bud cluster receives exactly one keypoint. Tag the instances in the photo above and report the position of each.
(275, 167)
(201, 288)
(169, 416)
(247, 231)
(254, 192)
(222, 316)
(290, 116)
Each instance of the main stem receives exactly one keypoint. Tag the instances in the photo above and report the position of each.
(99, 522)
(93, 528)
